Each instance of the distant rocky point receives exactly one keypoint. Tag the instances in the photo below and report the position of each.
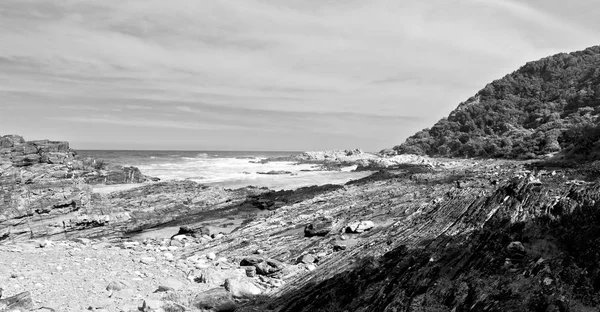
(364, 161)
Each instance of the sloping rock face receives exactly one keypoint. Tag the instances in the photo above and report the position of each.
(522, 246)
(45, 188)
(468, 236)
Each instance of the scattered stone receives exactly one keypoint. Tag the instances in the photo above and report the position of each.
(217, 277)
(221, 260)
(211, 256)
(516, 250)
(339, 247)
(116, 286)
(172, 283)
(307, 259)
(250, 271)
(46, 243)
(319, 227)
(169, 256)
(176, 243)
(360, 226)
(83, 240)
(147, 260)
(311, 267)
(263, 266)
(151, 305)
(217, 236)
(193, 231)
(242, 288)
(130, 245)
(217, 300)
(179, 238)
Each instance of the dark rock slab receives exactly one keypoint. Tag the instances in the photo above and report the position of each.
(319, 227)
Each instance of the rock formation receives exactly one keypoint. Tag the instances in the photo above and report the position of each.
(363, 161)
(46, 188)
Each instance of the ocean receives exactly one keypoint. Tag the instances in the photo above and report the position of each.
(232, 169)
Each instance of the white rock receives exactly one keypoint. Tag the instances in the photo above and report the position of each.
(211, 256)
(222, 259)
(242, 288)
(180, 237)
(360, 226)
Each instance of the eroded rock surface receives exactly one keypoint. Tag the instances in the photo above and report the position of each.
(467, 235)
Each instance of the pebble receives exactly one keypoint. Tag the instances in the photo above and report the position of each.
(130, 245)
(147, 260)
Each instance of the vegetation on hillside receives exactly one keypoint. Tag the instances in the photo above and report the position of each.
(546, 106)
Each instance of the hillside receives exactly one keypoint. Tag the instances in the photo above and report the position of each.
(546, 106)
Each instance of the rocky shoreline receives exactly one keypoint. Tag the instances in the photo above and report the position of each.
(361, 161)
(435, 234)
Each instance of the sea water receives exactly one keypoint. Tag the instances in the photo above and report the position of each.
(232, 169)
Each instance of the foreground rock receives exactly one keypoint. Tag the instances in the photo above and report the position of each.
(19, 302)
(215, 300)
(428, 238)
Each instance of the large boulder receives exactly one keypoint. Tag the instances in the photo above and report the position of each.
(242, 288)
(194, 231)
(263, 266)
(319, 227)
(217, 277)
(215, 300)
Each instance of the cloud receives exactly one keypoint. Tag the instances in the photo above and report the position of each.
(271, 65)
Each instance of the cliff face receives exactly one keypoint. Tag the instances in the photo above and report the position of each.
(45, 186)
(547, 106)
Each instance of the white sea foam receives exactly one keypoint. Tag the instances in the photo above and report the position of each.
(239, 172)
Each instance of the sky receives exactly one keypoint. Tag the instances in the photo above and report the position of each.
(263, 74)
